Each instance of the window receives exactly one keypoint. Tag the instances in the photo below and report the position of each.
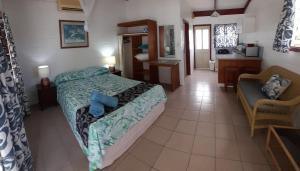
(202, 39)
(226, 35)
(296, 32)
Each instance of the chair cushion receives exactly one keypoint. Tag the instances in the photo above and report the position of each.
(251, 90)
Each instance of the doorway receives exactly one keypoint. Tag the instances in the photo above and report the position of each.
(187, 48)
(202, 38)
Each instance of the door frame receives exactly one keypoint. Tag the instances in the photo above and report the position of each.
(187, 47)
(210, 40)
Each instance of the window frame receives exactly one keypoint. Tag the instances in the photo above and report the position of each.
(296, 48)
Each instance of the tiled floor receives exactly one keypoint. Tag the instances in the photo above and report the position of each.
(203, 128)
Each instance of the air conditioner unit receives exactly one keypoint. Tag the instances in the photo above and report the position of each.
(69, 5)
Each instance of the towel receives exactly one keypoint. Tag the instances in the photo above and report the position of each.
(105, 100)
(96, 109)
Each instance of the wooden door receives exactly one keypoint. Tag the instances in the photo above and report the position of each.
(202, 46)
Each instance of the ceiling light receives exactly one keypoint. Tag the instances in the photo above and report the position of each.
(215, 14)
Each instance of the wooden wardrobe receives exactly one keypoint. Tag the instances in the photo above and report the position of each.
(138, 71)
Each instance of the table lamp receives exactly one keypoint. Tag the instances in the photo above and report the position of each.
(44, 74)
(111, 62)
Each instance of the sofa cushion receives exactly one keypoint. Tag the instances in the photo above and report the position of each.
(251, 90)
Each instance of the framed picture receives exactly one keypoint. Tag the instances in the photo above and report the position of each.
(72, 34)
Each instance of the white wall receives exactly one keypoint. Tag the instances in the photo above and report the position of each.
(36, 32)
(224, 19)
(267, 13)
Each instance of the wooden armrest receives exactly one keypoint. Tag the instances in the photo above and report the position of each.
(289, 103)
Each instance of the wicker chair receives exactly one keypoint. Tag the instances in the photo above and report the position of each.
(263, 112)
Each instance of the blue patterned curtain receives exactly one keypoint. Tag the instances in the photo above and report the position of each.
(15, 154)
(284, 33)
(226, 35)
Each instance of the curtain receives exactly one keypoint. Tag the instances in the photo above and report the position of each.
(87, 6)
(284, 33)
(226, 35)
(15, 154)
(121, 50)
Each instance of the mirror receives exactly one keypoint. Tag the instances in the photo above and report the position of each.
(167, 41)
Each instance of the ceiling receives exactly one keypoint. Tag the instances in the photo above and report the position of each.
(202, 5)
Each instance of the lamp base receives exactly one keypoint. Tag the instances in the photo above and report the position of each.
(45, 82)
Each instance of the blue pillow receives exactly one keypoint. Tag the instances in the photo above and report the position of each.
(96, 109)
(144, 46)
(106, 100)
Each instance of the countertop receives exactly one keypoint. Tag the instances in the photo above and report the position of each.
(235, 56)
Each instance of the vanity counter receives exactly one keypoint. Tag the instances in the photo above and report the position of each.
(235, 56)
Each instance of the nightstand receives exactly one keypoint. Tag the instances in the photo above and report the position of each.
(46, 95)
(117, 72)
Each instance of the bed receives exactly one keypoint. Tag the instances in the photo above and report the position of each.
(106, 138)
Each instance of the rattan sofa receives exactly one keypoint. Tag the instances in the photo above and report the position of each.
(261, 111)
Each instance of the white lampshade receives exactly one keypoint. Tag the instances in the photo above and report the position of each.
(43, 71)
(110, 60)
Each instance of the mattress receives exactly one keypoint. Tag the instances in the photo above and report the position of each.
(73, 96)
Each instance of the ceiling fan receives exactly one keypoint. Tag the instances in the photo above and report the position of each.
(215, 13)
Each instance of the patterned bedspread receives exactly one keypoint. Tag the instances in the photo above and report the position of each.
(73, 96)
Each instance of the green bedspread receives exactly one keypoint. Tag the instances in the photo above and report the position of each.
(74, 95)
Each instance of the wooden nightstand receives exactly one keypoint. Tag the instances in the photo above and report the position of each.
(47, 96)
(117, 72)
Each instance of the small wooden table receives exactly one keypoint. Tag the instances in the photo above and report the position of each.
(117, 72)
(283, 144)
(46, 95)
(174, 66)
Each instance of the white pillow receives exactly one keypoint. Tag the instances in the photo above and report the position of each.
(142, 56)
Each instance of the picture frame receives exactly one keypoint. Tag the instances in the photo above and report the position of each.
(72, 34)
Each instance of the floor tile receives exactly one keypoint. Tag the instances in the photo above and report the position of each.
(158, 135)
(228, 165)
(181, 142)
(207, 107)
(177, 113)
(186, 127)
(204, 146)
(206, 129)
(167, 122)
(201, 163)
(206, 117)
(251, 153)
(130, 163)
(225, 131)
(227, 149)
(147, 151)
(255, 167)
(190, 115)
(172, 160)
(193, 106)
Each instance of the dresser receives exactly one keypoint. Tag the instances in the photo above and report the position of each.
(230, 66)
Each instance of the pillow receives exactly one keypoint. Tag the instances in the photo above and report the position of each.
(143, 46)
(80, 74)
(142, 56)
(275, 86)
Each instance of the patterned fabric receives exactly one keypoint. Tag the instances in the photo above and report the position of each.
(17, 73)
(226, 35)
(275, 86)
(284, 33)
(84, 120)
(15, 154)
(73, 96)
(80, 74)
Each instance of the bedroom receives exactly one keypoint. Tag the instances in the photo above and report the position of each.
(201, 126)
